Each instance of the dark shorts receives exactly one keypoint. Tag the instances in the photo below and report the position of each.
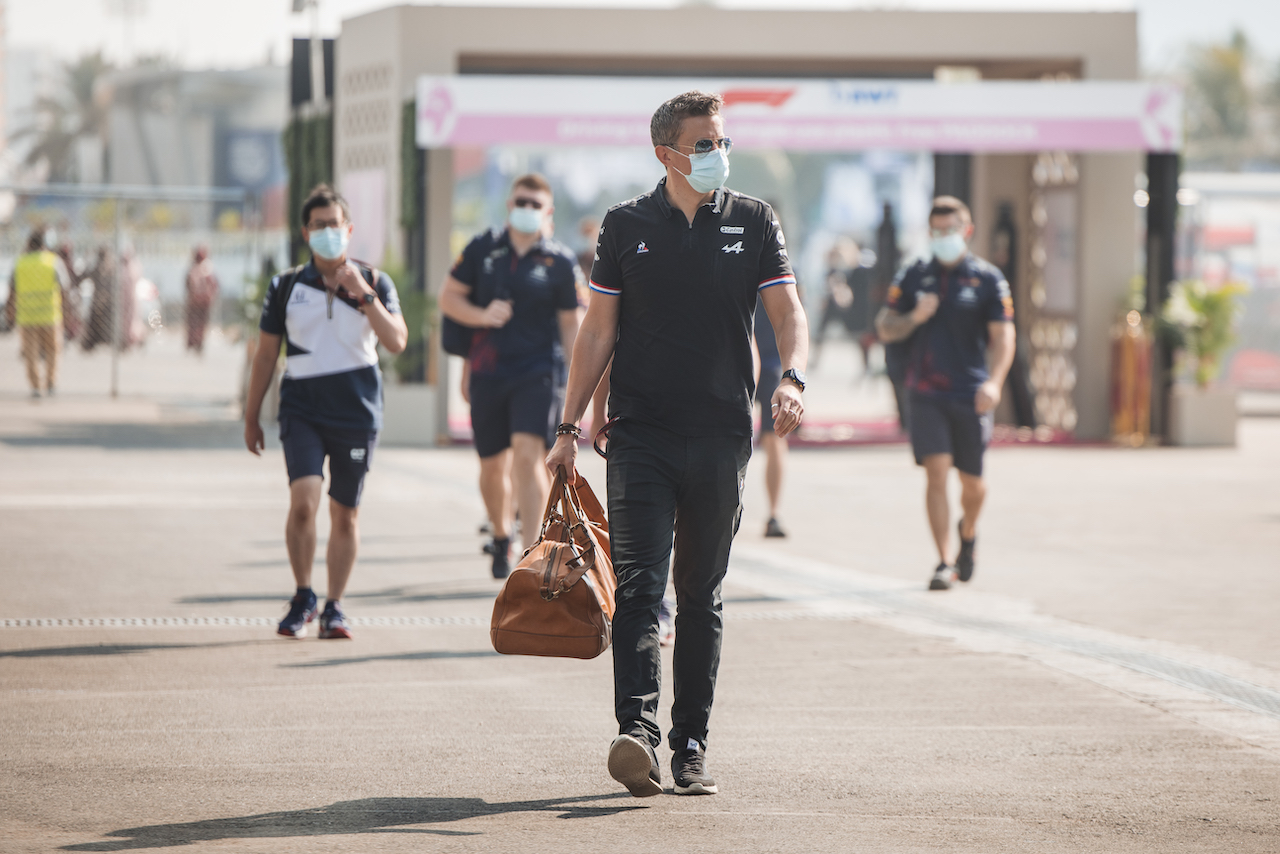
(943, 426)
(306, 444)
(501, 406)
(770, 377)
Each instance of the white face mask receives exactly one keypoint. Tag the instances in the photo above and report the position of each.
(708, 171)
(525, 220)
(329, 243)
(948, 249)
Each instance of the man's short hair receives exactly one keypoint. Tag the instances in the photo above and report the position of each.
(323, 196)
(948, 205)
(532, 181)
(35, 241)
(664, 127)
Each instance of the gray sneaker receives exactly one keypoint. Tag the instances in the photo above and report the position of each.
(689, 767)
(942, 578)
(633, 763)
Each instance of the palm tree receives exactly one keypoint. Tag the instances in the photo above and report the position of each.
(63, 119)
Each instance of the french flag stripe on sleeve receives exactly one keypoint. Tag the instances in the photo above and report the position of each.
(599, 288)
(776, 280)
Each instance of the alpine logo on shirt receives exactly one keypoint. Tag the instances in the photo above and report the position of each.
(735, 248)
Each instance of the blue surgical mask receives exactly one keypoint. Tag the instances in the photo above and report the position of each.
(329, 243)
(709, 171)
(525, 220)
(948, 249)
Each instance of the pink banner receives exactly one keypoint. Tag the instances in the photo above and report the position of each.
(836, 134)
(808, 115)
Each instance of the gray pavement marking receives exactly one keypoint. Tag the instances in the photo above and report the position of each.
(179, 622)
(1152, 671)
(380, 622)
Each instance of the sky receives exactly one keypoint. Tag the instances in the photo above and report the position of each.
(239, 33)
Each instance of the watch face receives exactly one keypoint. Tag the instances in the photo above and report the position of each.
(369, 298)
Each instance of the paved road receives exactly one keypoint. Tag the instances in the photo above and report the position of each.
(1109, 682)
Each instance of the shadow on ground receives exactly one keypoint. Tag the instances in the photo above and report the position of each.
(398, 594)
(197, 435)
(370, 815)
(374, 559)
(402, 656)
(111, 649)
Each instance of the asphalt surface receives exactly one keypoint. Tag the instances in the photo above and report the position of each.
(1110, 681)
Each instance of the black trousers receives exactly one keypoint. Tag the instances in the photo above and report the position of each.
(665, 488)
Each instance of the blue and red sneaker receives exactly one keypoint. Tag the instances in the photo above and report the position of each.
(333, 623)
(302, 610)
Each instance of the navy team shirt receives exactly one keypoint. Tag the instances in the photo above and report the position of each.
(539, 285)
(948, 355)
(683, 356)
(332, 376)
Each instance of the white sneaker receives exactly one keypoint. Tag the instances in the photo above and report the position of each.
(942, 578)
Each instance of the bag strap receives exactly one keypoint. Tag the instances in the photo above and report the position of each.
(293, 280)
(588, 504)
(284, 297)
(580, 564)
(604, 431)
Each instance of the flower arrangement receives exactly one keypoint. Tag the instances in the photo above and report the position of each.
(1201, 321)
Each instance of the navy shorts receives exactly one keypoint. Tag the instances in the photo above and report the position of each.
(500, 406)
(943, 426)
(770, 377)
(306, 444)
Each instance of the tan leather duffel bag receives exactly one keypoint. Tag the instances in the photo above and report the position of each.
(558, 600)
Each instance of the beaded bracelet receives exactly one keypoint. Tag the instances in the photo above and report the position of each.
(567, 429)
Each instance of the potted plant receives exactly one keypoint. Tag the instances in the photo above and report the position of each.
(1200, 323)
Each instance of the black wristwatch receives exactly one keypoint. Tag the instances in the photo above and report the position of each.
(368, 298)
(795, 376)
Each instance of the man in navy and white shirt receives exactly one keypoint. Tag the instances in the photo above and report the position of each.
(676, 280)
(331, 315)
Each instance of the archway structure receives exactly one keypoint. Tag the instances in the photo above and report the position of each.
(1087, 182)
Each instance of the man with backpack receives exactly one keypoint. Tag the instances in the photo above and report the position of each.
(331, 314)
(512, 298)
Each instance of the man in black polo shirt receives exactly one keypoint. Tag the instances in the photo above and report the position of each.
(517, 288)
(331, 315)
(957, 312)
(677, 275)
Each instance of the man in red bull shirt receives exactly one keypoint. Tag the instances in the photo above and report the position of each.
(955, 312)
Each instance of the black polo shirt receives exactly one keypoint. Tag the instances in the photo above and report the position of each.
(540, 284)
(683, 356)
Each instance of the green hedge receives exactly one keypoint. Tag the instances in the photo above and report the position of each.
(308, 153)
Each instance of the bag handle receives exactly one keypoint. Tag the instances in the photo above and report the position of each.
(562, 505)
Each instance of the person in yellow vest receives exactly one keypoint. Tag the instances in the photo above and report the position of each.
(35, 298)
